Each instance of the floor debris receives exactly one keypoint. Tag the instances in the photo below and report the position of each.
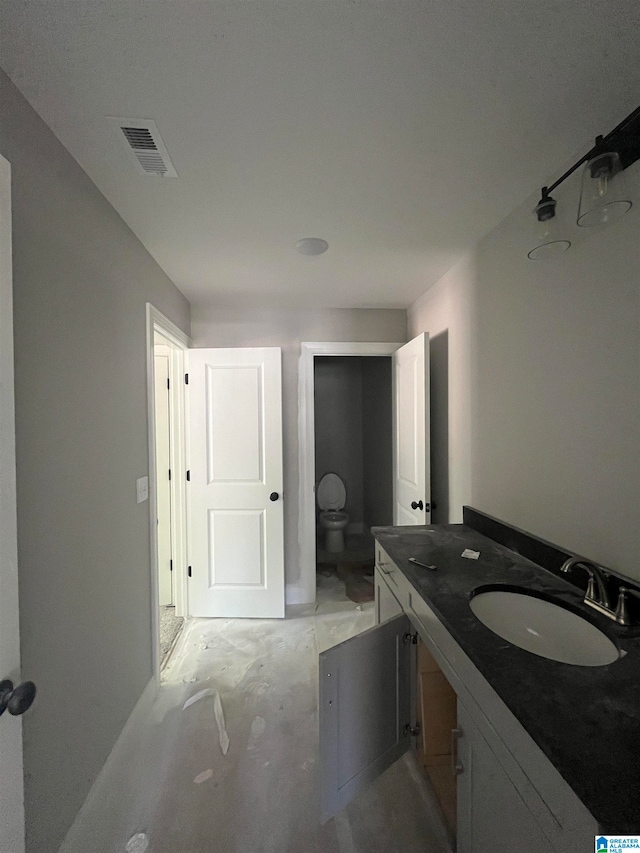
(137, 843)
(222, 731)
(208, 691)
(202, 777)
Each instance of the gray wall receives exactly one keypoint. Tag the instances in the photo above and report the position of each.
(544, 365)
(81, 280)
(243, 327)
(377, 437)
(338, 426)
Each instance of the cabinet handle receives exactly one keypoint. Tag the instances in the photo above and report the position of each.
(383, 570)
(456, 766)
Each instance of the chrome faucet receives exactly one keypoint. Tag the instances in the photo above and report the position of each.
(596, 578)
(622, 615)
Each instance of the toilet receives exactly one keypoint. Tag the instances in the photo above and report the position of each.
(331, 497)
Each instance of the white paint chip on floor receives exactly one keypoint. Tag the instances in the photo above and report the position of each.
(137, 843)
(209, 691)
(174, 773)
(222, 731)
(202, 777)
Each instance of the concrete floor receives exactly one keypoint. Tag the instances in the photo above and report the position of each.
(174, 784)
(170, 627)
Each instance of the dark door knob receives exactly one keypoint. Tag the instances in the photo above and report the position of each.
(274, 496)
(16, 700)
(416, 505)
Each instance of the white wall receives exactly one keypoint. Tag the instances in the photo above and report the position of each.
(245, 327)
(338, 426)
(81, 281)
(544, 382)
(446, 309)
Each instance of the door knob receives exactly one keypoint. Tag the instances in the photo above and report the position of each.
(416, 505)
(274, 496)
(16, 700)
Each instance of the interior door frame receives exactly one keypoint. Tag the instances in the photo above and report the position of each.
(12, 794)
(180, 344)
(304, 591)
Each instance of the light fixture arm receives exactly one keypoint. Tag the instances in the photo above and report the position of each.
(630, 123)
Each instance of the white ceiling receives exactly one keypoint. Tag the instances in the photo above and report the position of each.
(399, 131)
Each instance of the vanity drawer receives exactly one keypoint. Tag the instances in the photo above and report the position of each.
(393, 576)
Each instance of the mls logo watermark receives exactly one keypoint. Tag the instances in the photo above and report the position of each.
(616, 843)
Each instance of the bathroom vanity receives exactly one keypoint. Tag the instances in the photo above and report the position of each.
(540, 754)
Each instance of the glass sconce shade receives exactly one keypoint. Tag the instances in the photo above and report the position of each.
(547, 243)
(604, 196)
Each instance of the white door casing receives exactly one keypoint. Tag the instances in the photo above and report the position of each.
(159, 326)
(411, 458)
(305, 589)
(236, 549)
(11, 786)
(163, 483)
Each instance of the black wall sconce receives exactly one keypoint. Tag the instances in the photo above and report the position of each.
(604, 196)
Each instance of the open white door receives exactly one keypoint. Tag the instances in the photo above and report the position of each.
(236, 550)
(411, 475)
(11, 784)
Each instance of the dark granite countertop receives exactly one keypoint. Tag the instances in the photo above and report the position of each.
(586, 720)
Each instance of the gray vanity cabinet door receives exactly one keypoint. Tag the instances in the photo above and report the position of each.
(364, 707)
(492, 816)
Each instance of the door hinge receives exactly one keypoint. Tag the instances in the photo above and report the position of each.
(169, 473)
(170, 565)
(189, 570)
(168, 383)
(409, 638)
(186, 379)
(189, 476)
(414, 731)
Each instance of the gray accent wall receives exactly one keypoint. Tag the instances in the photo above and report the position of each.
(338, 427)
(353, 432)
(544, 381)
(220, 326)
(377, 438)
(81, 281)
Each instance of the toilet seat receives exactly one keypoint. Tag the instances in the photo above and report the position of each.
(331, 493)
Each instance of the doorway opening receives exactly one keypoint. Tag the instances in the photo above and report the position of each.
(170, 622)
(305, 589)
(166, 359)
(353, 469)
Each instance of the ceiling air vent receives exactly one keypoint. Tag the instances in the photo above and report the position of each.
(145, 146)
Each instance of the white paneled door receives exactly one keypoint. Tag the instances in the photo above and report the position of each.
(236, 550)
(411, 475)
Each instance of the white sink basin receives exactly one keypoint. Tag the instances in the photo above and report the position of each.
(544, 628)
